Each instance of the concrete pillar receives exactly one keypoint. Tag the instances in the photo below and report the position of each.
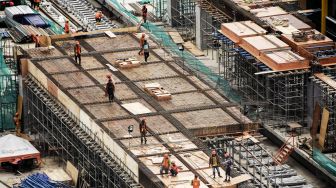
(201, 19)
(172, 11)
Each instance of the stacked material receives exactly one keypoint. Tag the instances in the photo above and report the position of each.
(294, 180)
(39, 180)
(23, 33)
(158, 92)
(23, 14)
(128, 63)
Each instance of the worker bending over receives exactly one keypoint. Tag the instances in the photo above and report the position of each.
(36, 40)
(144, 13)
(174, 169)
(214, 163)
(66, 27)
(110, 88)
(99, 16)
(143, 130)
(165, 164)
(196, 183)
(78, 51)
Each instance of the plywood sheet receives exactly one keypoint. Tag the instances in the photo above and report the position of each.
(316, 120)
(73, 171)
(106, 110)
(193, 49)
(324, 127)
(268, 11)
(178, 142)
(326, 79)
(264, 43)
(196, 159)
(237, 180)
(176, 37)
(235, 31)
(58, 65)
(136, 108)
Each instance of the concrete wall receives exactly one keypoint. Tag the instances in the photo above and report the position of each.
(85, 119)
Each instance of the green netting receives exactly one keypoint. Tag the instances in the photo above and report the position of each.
(324, 161)
(193, 62)
(8, 95)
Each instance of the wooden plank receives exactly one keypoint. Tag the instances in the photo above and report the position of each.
(176, 37)
(193, 49)
(72, 171)
(326, 79)
(268, 11)
(324, 126)
(316, 120)
(235, 31)
(236, 180)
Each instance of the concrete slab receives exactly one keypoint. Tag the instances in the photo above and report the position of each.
(159, 124)
(105, 43)
(136, 108)
(208, 175)
(173, 85)
(58, 65)
(196, 159)
(89, 95)
(100, 76)
(68, 46)
(154, 163)
(120, 127)
(178, 142)
(106, 110)
(142, 101)
(198, 82)
(153, 146)
(123, 92)
(217, 97)
(43, 52)
(90, 63)
(112, 57)
(163, 54)
(76, 79)
(186, 100)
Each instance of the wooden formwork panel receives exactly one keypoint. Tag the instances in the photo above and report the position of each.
(101, 75)
(186, 100)
(159, 124)
(217, 96)
(58, 65)
(123, 92)
(142, 101)
(236, 111)
(106, 110)
(113, 57)
(75, 79)
(149, 71)
(43, 52)
(90, 63)
(105, 43)
(178, 142)
(153, 146)
(292, 20)
(88, 95)
(179, 69)
(198, 82)
(163, 54)
(268, 11)
(196, 159)
(68, 46)
(204, 119)
(173, 85)
(235, 31)
(120, 127)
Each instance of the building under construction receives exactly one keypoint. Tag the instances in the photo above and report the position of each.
(253, 80)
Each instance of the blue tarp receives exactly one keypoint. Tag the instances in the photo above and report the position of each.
(40, 180)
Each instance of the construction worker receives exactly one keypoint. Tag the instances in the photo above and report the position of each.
(144, 13)
(145, 50)
(36, 40)
(196, 183)
(78, 51)
(143, 130)
(17, 123)
(214, 163)
(37, 4)
(142, 41)
(99, 16)
(66, 27)
(109, 90)
(174, 169)
(228, 163)
(165, 164)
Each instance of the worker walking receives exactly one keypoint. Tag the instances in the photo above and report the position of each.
(165, 164)
(228, 163)
(174, 169)
(196, 183)
(109, 90)
(99, 16)
(214, 163)
(66, 27)
(142, 41)
(78, 51)
(144, 13)
(146, 50)
(143, 130)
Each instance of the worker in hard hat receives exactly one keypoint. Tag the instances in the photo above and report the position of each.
(17, 123)
(146, 50)
(77, 52)
(66, 26)
(142, 41)
(165, 164)
(37, 4)
(214, 163)
(228, 163)
(144, 13)
(195, 183)
(99, 16)
(110, 89)
(174, 169)
(143, 130)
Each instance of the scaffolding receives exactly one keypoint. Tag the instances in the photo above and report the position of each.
(58, 130)
(8, 86)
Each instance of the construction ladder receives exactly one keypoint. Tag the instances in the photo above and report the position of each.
(284, 152)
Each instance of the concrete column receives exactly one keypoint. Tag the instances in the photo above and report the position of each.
(201, 19)
(172, 11)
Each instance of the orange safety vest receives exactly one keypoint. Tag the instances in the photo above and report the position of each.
(77, 49)
(142, 40)
(165, 163)
(37, 1)
(98, 15)
(196, 183)
(66, 27)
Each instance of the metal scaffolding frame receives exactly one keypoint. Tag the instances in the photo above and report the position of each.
(73, 141)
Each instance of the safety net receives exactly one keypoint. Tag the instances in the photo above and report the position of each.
(324, 161)
(195, 64)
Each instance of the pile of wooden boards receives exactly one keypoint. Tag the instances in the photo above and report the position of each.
(158, 92)
(128, 63)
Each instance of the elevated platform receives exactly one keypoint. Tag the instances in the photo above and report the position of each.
(196, 109)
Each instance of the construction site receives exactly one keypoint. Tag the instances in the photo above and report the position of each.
(168, 93)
